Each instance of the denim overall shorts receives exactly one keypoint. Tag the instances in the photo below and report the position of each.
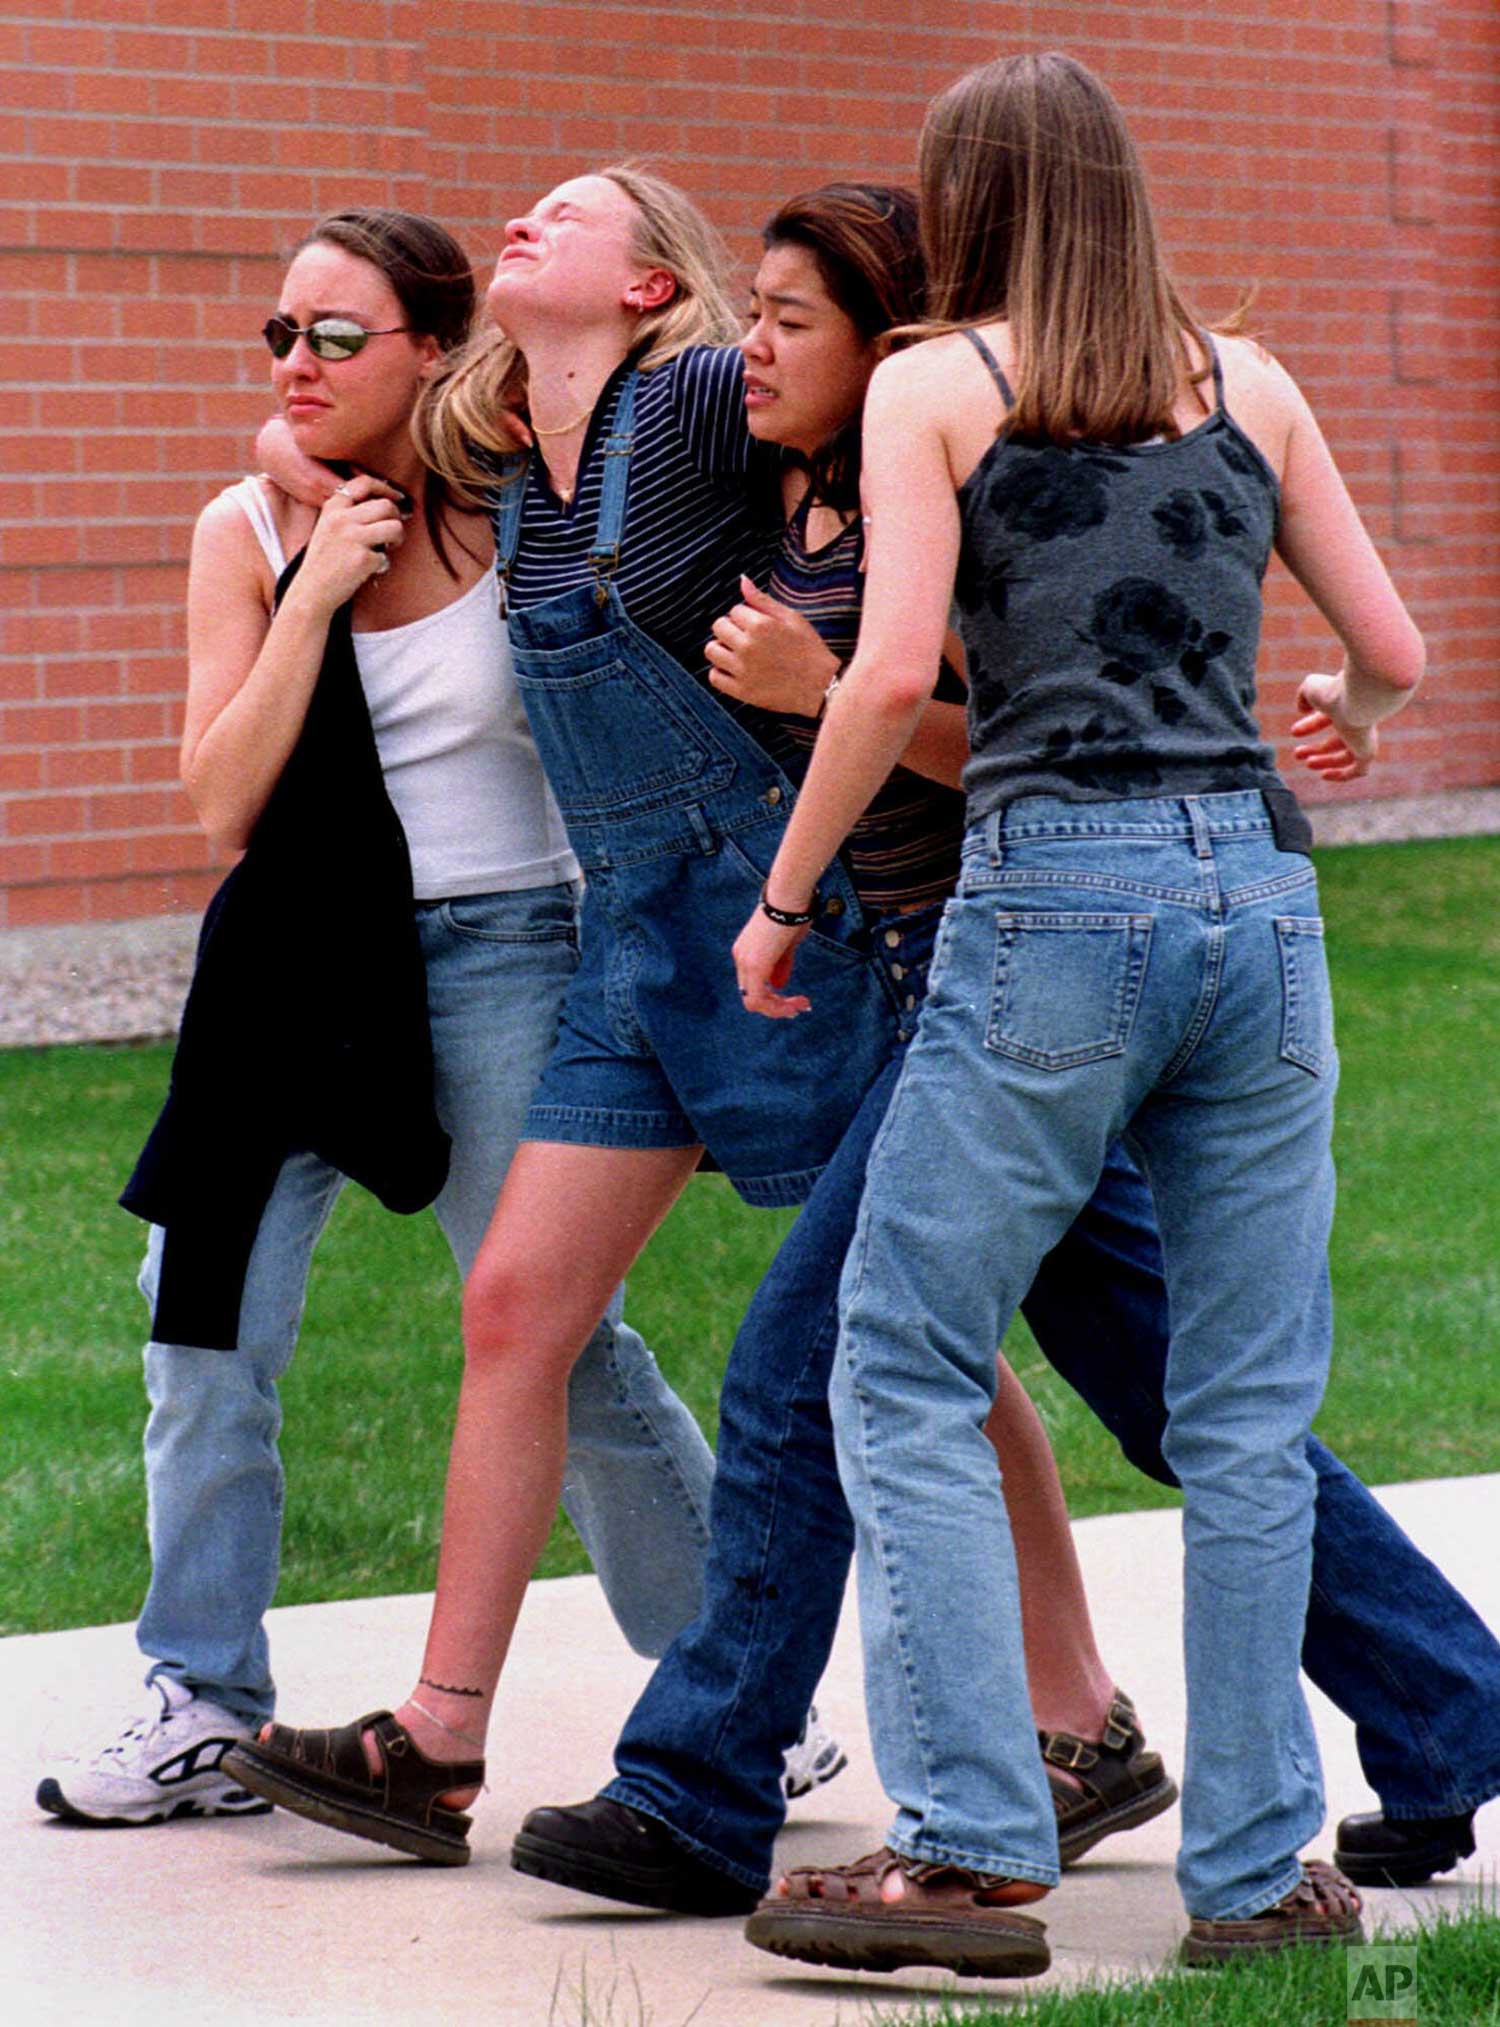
(675, 814)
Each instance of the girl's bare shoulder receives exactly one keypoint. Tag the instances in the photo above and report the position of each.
(1252, 373)
(1262, 396)
(928, 372)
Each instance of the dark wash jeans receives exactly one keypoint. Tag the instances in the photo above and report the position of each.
(1388, 1639)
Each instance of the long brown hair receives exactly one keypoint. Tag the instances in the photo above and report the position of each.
(1035, 209)
(460, 424)
(865, 243)
(433, 280)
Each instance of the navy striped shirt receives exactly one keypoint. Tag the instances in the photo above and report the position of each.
(703, 505)
(904, 850)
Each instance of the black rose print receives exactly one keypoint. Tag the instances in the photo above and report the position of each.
(1183, 519)
(1182, 523)
(1238, 456)
(1202, 648)
(980, 585)
(1052, 492)
(1226, 520)
(1168, 706)
(1140, 626)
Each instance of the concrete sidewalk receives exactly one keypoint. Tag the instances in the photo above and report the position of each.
(273, 1919)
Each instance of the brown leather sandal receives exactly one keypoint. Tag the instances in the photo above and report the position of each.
(325, 1776)
(1322, 1908)
(1120, 1784)
(960, 1921)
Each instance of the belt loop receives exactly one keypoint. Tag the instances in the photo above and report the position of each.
(1203, 843)
(702, 830)
(993, 848)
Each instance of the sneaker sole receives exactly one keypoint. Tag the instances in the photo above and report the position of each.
(892, 1943)
(1124, 1816)
(794, 1789)
(617, 1879)
(337, 1812)
(237, 1802)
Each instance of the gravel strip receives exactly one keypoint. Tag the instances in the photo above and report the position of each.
(98, 982)
(126, 981)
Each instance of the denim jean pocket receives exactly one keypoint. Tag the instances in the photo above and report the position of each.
(1306, 1001)
(1066, 987)
(525, 915)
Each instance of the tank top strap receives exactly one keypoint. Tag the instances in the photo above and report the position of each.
(992, 365)
(1206, 339)
(249, 496)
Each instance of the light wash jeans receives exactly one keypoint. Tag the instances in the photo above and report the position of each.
(1152, 968)
(638, 1471)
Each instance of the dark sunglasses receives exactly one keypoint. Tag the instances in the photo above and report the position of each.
(327, 338)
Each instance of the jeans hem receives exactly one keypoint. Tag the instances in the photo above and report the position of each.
(1258, 1903)
(605, 1126)
(1454, 1804)
(211, 1692)
(975, 1861)
(622, 1791)
(776, 1192)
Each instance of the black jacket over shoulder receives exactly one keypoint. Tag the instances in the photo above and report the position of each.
(306, 1024)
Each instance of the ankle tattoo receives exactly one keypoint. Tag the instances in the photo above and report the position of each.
(447, 1688)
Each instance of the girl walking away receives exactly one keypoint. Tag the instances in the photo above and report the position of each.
(1134, 949)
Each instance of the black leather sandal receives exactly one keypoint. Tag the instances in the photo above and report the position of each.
(325, 1776)
(1120, 1784)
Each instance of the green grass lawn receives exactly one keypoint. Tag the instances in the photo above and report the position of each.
(1454, 1962)
(1415, 943)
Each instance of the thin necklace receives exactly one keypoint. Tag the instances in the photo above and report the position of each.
(564, 427)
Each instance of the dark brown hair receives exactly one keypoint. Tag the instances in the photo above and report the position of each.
(1035, 209)
(433, 280)
(864, 240)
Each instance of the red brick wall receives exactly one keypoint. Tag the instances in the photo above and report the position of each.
(159, 155)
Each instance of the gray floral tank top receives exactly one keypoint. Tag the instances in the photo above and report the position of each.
(1110, 604)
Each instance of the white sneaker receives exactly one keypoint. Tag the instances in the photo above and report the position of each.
(162, 1765)
(813, 1760)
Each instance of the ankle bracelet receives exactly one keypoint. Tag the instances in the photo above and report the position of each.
(442, 1724)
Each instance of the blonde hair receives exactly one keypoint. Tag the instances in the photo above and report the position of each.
(1035, 209)
(460, 424)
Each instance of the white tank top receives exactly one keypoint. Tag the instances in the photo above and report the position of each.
(459, 763)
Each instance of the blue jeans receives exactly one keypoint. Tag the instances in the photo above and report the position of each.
(1151, 968)
(702, 1749)
(1388, 1640)
(638, 1469)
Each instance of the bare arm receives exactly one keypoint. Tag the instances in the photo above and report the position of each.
(1328, 549)
(764, 653)
(287, 465)
(872, 715)
(250, 676)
